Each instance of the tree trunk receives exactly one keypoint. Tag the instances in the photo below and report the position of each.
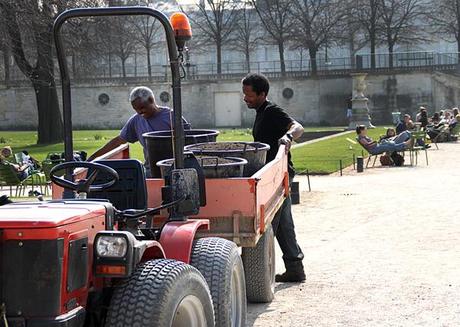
(123, 68)
(74, 66)
(219, 58)
(281, 52)
(314, 66)
(6, 64)
(248, 60)
(351, 43)
(390, 55)
(372, 37)
(110, 64)
(49, 117)
(50, 128)
(149, 64)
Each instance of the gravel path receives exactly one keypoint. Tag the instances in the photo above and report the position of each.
(382, 249)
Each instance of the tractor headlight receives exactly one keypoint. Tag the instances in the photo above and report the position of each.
(113, 253)
(111, 246)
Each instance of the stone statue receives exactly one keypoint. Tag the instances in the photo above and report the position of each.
(360, 110)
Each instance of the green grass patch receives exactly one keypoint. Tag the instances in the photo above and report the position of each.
(324, 157)
(320, 158)
(91, 140)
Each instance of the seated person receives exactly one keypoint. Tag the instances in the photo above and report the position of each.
(391, 132)
(406, 124)
(418, 116)
(397, 143)
(453, 119)
(446, 118)
(22, 170)
(435, 119)
(423, 118)
(438, 130)
(31, 161)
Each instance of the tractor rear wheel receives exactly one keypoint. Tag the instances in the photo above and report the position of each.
(259, 268)
(162, 293)
(220, 263)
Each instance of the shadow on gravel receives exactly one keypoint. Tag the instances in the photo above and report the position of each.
(256, 309)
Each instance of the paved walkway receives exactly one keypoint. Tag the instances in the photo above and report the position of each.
(382, 249)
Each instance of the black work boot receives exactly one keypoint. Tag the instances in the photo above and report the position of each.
(294, 273)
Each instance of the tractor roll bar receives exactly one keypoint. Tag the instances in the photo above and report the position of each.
(65, 78)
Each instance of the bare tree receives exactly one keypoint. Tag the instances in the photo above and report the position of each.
(81, 41)
(215, 21)
(317, 24)
(246, 35)
(5, 50)
(400, 22)
(118, 37)
(444, 16)
(354, 37)
(147, 29)
(367, 14)
(34, 19)
(28, 26)
(276, 18)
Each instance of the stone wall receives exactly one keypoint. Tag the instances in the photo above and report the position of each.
(313, 101)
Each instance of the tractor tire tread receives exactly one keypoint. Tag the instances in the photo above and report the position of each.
(214, 257)
(141, 297)
(258, 288)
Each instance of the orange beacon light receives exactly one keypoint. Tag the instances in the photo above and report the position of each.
(182, 30)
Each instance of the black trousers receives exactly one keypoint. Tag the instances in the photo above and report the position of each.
(284, 230)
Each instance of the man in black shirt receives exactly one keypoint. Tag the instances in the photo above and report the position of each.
(274, 126)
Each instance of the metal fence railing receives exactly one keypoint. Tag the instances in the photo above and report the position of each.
(405, 61)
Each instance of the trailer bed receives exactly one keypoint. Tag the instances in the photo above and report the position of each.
(239, 209)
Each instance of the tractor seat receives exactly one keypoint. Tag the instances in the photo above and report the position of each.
(130, 192)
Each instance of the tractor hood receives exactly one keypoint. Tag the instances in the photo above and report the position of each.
(48, 214)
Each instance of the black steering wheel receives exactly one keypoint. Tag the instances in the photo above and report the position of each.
(84, 184)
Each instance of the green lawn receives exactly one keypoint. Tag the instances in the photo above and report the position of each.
(324, 157)
(321, 157)
(91, 140)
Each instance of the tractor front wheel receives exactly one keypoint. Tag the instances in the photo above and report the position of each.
(162, 293)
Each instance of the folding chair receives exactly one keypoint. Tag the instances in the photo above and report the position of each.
(8, 177)
(443, 132)
(415, 148)
(36, 177)
(370, 155)
(455, 132)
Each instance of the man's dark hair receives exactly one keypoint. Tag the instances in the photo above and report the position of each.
(360, 128)
(258, 82)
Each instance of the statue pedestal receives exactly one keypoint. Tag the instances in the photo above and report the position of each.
(360, 110)
(360, 114)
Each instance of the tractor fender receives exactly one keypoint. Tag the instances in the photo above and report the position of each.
(177, 238)
(148, 250)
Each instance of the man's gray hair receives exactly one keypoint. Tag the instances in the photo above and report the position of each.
(141, 92)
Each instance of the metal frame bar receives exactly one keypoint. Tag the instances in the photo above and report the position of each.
(65, 77)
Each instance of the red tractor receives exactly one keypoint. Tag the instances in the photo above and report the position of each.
(117, 249)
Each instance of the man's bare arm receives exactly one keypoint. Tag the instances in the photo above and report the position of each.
(295, 130)
(112, 144)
